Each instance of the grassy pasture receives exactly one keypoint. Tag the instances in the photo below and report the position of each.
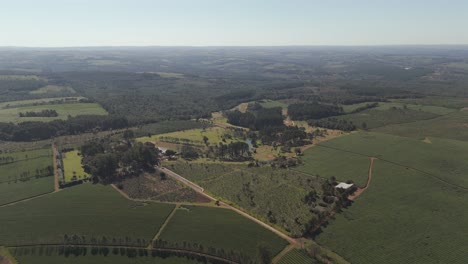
(27, 176)
(193, 136)
(451, 126)
(50, 89)
(272, 104)
(434, 109)
(297, 256)
(272, 195)
(63, 110)
(72, 166)
(85, 210)
(168, 126)
(221, 229)
(31, 255)
(448, 102)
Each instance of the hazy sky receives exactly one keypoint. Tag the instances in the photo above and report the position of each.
(232, 22)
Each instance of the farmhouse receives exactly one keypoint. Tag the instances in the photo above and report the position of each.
(344, 185)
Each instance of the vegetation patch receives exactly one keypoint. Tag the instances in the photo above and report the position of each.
(84, 214)
(297, 256)
(53, 89)
(73, 170)
(221, 232)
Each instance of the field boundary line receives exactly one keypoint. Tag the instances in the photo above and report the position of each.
(54, 158)
(174, 250)
(26, 199)
(20, 160)
(282, 253)
(163, 226)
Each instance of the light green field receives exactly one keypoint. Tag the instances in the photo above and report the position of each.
(448, 102)
(29, 175)
(73, 170)
(33, 256)
(20, 77)
(272, 104)
(438, 110)
(53, 89)
(84, 210)
(411, 212)
(220, 229)
(192, 136)
(63, 110)
(452, 126)
(297, 256)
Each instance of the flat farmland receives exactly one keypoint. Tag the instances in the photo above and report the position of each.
(297, 256)
(73, 170)
(220, 229)
(89, 211)
(63, 111)
(25, 174)
(193, 136)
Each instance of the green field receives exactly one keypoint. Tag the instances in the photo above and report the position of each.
(272, 104)
(32, 255)
(192, 136)
(297, 256)
(63, 110)
(411, 213)
(73, 170)
(92, 211)
(434, 109)
(29, 174)
(32, 102)
(452, 126)
(327, 163)
(220, 229)
(272, 195)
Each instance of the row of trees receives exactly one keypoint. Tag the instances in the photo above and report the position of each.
(30, 131)
(43, 113)
(306, 111)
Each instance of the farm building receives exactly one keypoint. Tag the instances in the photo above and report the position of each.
(344, 185)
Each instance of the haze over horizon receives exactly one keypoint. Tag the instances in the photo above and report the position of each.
(85, 23)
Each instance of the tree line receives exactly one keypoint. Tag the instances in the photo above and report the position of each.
(42, 113)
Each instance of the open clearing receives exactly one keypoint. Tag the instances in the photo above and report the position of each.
(215, 135)
(73, 170)
(297, 256)
(92, 211)
(29, 174)
(411, 211)
(63, 111)
(220, 229)
(53, 89)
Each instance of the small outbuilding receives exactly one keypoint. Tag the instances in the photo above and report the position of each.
(344, 185)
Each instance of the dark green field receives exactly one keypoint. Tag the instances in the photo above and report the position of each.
(297, 256)
(88, 210)
(220, 229)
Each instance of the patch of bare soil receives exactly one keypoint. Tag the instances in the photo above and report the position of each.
(427, 140)
(4, 260)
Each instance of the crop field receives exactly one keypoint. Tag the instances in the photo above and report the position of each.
(412, 203)
(434, 109)
(272, 104)
(168, 126)
(51, 89)
(328, 162)
(297, 256)
(63, 111)
(221, 229)
(73, 170)
(452, 126)
(272, 195)
(25, 174)
(447, 102)
(154, 187)
(37, 255)
(91, 212)
(215, 135)
(378, 118)
(42, 101)
(441, 159)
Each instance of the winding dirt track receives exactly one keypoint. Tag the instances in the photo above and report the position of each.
(369, 178)
(56, 179)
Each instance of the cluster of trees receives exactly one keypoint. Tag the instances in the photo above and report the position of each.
(364, 107)
(290, 136)
(333, 123)
(31, 131)
(43, 113)
(259, 119)
(111, 161)
(306, 111)
(234, 151)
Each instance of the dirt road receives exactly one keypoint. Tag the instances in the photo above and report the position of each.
(200, 190)
(369, 178)
(56, 179)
